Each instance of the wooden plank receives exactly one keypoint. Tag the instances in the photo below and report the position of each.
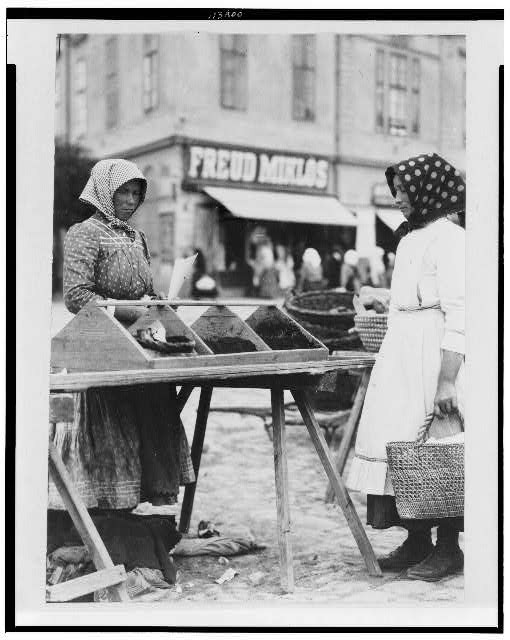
(350, 427)
(78, 587)
(341, 493)
(96, 341)
(185, 302)
(62, 382)
(282, 490)
(183, 395)
(196, 456)
(221, 322)
(61, 407)
(81, 518)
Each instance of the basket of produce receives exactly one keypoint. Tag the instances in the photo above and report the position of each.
(371, 319)
(328, 315)
(428, 475)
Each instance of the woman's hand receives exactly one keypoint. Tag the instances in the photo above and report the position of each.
(445, 401)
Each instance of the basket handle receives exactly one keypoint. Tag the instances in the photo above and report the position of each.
(423, 431)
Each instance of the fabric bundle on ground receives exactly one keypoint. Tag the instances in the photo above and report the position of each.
(216, 546)
(131, 540)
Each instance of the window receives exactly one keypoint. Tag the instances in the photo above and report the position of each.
(233, 69)
(397, 93)
(80, 98)
(150, 72)
(397, 97)
(112, 83)
(415, 96)
(303, 77)
(464, 105)
(379, 90)
(166, 236)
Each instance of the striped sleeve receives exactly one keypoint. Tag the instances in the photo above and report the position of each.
(81, 251)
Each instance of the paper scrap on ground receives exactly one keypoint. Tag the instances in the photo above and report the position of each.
(228, 575)
(183, 268)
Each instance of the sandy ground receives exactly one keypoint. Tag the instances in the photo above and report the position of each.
(236, 491)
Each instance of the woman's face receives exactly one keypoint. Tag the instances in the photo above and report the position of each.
(401, 198)
(126, 199)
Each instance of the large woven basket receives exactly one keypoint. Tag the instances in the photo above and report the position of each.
(328, 315)
(428, 479)
(371, 329)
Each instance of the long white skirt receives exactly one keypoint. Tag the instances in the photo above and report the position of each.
(400, 395)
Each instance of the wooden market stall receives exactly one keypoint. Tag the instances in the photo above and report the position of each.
(268, 350)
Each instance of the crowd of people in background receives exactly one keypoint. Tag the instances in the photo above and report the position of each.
(277, 273)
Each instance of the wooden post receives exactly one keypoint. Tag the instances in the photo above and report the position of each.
(183, 395)
(82, 520)
(341, 456)
(341, 493)
(196, 455)
(282, 490)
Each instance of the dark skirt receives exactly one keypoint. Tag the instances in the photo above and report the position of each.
(124, 445)
(382, 513)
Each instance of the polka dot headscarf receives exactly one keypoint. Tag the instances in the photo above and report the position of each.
(435, 188)
(105, 178)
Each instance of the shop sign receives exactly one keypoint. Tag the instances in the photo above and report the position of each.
(381, 195)
(207, 164)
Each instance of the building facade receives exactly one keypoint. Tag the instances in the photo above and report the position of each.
(288, 132)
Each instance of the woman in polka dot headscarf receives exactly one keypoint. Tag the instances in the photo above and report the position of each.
(420, 367)
(128, 442)
(427, 188)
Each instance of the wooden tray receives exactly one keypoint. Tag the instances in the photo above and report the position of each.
(96, 341)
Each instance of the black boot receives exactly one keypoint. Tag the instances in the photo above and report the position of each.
(415, 548)
(445, 560)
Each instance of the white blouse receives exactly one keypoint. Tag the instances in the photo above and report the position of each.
(430, 272)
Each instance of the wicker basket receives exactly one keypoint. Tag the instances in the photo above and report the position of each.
(328, 315)
(371, 329)
(329, 308)
(428, 479)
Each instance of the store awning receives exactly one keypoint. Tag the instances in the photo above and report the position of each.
(283, 207)
(392, 218)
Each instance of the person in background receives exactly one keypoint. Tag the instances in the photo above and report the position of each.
(332, 267)
(377, 271)
(350, 279)
(125, 442)
(418, 373)
(203, 285)
(285, 266)
(388, 271)
(268, 278)
(311, 275)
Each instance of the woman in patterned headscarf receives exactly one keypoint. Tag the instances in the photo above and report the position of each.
(419, 369)
(124, 442)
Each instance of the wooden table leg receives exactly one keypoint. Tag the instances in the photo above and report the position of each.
(282, 490)
(340, 458)
(341, 493)
(82, 520)
(196, 455)
(183, 395)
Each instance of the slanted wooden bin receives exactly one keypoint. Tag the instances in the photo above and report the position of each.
(283, 356)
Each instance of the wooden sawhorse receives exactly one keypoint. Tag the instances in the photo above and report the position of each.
(107, 575)
(277, 385)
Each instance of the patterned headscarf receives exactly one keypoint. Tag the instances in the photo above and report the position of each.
(435, 189)
(105, 178)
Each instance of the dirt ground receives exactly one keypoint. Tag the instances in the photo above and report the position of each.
(236, 491)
